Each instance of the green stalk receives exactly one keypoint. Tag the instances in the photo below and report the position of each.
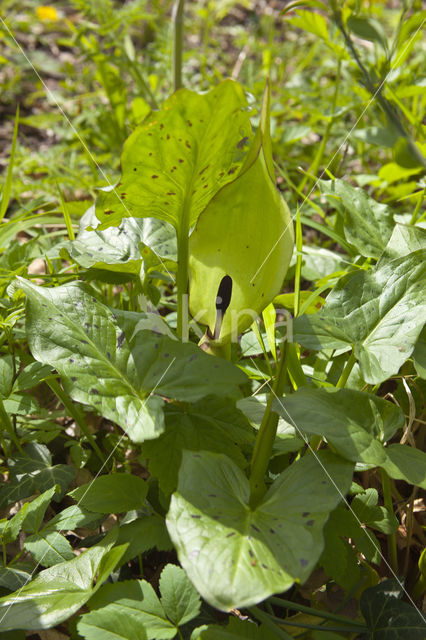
(297, 276)
(76, 415)
(326, 615)
(177, 19)
(346, 371)
(391, 537)
(7, 424)
(182, 278)
(266, 435)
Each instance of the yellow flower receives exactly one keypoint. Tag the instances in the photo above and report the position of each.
(47, 14)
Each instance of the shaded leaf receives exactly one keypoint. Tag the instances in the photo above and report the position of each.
(179, 597)
(110, 624)
(113, 493)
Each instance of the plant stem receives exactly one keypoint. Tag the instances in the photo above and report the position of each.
(182, 270)
(77, 415)
(346, 371)
(266, 435)
(7, 424)
(177, 18)
(326, 615)
(391, 537)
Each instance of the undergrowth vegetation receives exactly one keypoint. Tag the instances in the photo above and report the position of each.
(212, 308)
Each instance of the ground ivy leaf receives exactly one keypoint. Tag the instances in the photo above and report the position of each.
(110, 624)
(236, 556)
(138, 600)
(387, 617)
(380, 312)
(179, 597)
(180, 156)
(33, 471)
(55, 593)
(114, 493)
(212, 424)
(356, 423)
(112, 371)
(368, 224)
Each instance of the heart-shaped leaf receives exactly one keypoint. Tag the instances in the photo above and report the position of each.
(237, 556)
(179, 157)
(380, 312)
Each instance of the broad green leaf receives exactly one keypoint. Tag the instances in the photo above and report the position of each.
(113, 493)
(318, 262)
(138, 600)
(237, 556)
(356, 423)
(31, 375)
(368, 224)
(9, 529)
(33, 471)
(119, 248)
(113, 372)
(405, 239)
(35, 511)
(381, 312)
(245, 234)
(110, 624)
(212, 424)
(235, 630)
(56, 593)
(179, 157)
(406, 463)
(49, 548)
(339, 559)
(179, 597)
(143, 534)
(389, 618)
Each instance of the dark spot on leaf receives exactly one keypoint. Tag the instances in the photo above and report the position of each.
(70, 360)
(194, 516)
(123, 195)
(166, 355)
(154, 176)
(242, 142)
(309, 523)
(272, 530)
(171, 193)
(50, 319)
(205, 186)
(87, 325)
(134, 169)
(156, 345)
(161, 126)
(251, 554)
(73, 378)
(95, 392)
(189, 123)
(232, 170)
(193, 357)
(108, 212)
(305, 514)
(84, 342)
(97, 402)
(253, 526)
(202, 170)
(168, 136)
(303, 562)
(180, 160)
(212, 495)
(94, 299)
(120, 340)
(264, 566)
(222, 173)
(231, 534)
(108, 355)
(187, 145)
(180, 139)
(150, 153)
